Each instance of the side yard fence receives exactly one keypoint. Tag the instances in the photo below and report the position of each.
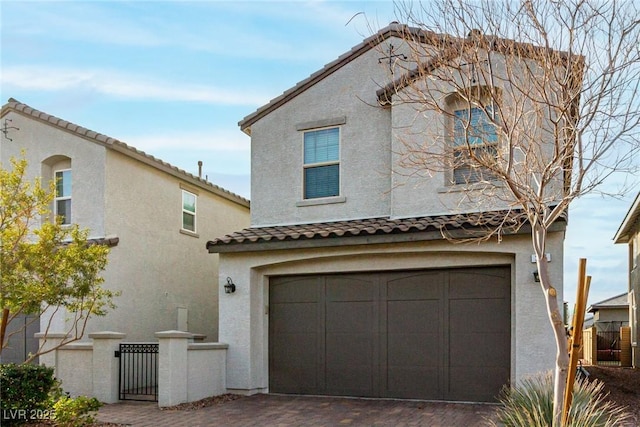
(182, 371)
(610, 348)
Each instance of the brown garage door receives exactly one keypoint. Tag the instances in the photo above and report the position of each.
(432, 334)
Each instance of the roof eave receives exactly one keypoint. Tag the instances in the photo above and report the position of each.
(623, 235)
(394, 29)
(18, 107)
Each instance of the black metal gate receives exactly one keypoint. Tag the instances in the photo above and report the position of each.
(138, 371)
(609, 349)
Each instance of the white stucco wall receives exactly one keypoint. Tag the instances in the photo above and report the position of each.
(244, 314)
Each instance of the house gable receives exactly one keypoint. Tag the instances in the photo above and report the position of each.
(108, 142)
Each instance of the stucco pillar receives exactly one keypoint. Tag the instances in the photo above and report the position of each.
(48, 341)
(240, 325)
(106, 365)
(172, 367)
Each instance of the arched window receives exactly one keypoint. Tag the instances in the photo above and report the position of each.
(473, 125)
(59, 169)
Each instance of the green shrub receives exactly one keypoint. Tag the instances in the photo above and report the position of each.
(531, 405)
(24, 392)
(75, 412)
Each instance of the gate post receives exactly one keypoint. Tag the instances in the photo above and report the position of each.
(625, 346)
(172, 367)
(105, 365)
(47, 341)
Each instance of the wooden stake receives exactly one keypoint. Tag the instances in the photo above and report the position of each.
(582, 291)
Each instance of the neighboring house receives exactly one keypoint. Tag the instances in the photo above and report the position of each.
(610, 314)
(344, 283)
(22, 341)
(629, 233)
(149, 212)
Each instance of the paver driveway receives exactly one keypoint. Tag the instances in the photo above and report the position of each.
(284, 411)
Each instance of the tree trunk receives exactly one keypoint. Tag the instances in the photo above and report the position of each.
(3, 327)
(557, 324)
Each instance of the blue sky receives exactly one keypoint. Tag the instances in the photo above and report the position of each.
(174, 78)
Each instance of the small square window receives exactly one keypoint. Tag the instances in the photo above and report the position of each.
(189, 211)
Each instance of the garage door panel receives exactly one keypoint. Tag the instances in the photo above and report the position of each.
(476, 385)
(294, 379)
(479, 350)
(478, 315)
(412, 383)
(413, 316)
(440, 334)
(294, 317)
(477, 283)
(302, 354)
(418, 350)
(415, 286)
(350, 381)
(349, 349)
(350, 317)
(303, 289)
(344, 288)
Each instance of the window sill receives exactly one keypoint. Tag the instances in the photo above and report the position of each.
(321, 201)
(189, 233)
(455, 188)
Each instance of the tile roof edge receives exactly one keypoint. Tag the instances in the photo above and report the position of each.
(387, 227)
(117, 145)
(393, 29)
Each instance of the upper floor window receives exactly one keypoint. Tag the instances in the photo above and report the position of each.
(322, 163)
(189, 211)
(474, 133)
(62, 203)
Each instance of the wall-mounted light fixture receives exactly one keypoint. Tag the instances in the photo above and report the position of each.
(536, 276)
(229, 287)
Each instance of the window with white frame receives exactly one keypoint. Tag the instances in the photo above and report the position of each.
(189, 201)
(322, 163)
(62, 202)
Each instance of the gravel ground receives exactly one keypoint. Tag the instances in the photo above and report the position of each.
(622, 384)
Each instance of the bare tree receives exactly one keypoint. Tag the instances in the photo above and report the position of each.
(532, 103)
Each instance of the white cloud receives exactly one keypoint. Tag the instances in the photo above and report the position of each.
(123, 86)
(202, 140)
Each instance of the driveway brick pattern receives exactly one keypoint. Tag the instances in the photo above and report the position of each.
(289, 411)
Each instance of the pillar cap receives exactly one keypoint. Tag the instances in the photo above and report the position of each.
(107, 335)
(51, 335)
(173, 334)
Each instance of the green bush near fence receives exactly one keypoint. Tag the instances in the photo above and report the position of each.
(24, 393)
(30, 393)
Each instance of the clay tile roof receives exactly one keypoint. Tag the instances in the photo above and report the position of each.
(123, 148)
(512, 220)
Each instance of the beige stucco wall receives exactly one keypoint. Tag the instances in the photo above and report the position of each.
(41, 141)
(244, 314)
(612, 315)
(159, 270)
(365, 153)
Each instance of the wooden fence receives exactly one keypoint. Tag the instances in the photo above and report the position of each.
(607, 348)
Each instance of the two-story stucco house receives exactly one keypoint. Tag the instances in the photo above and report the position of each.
(345, 284)
(151, 213)
(629, 233)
